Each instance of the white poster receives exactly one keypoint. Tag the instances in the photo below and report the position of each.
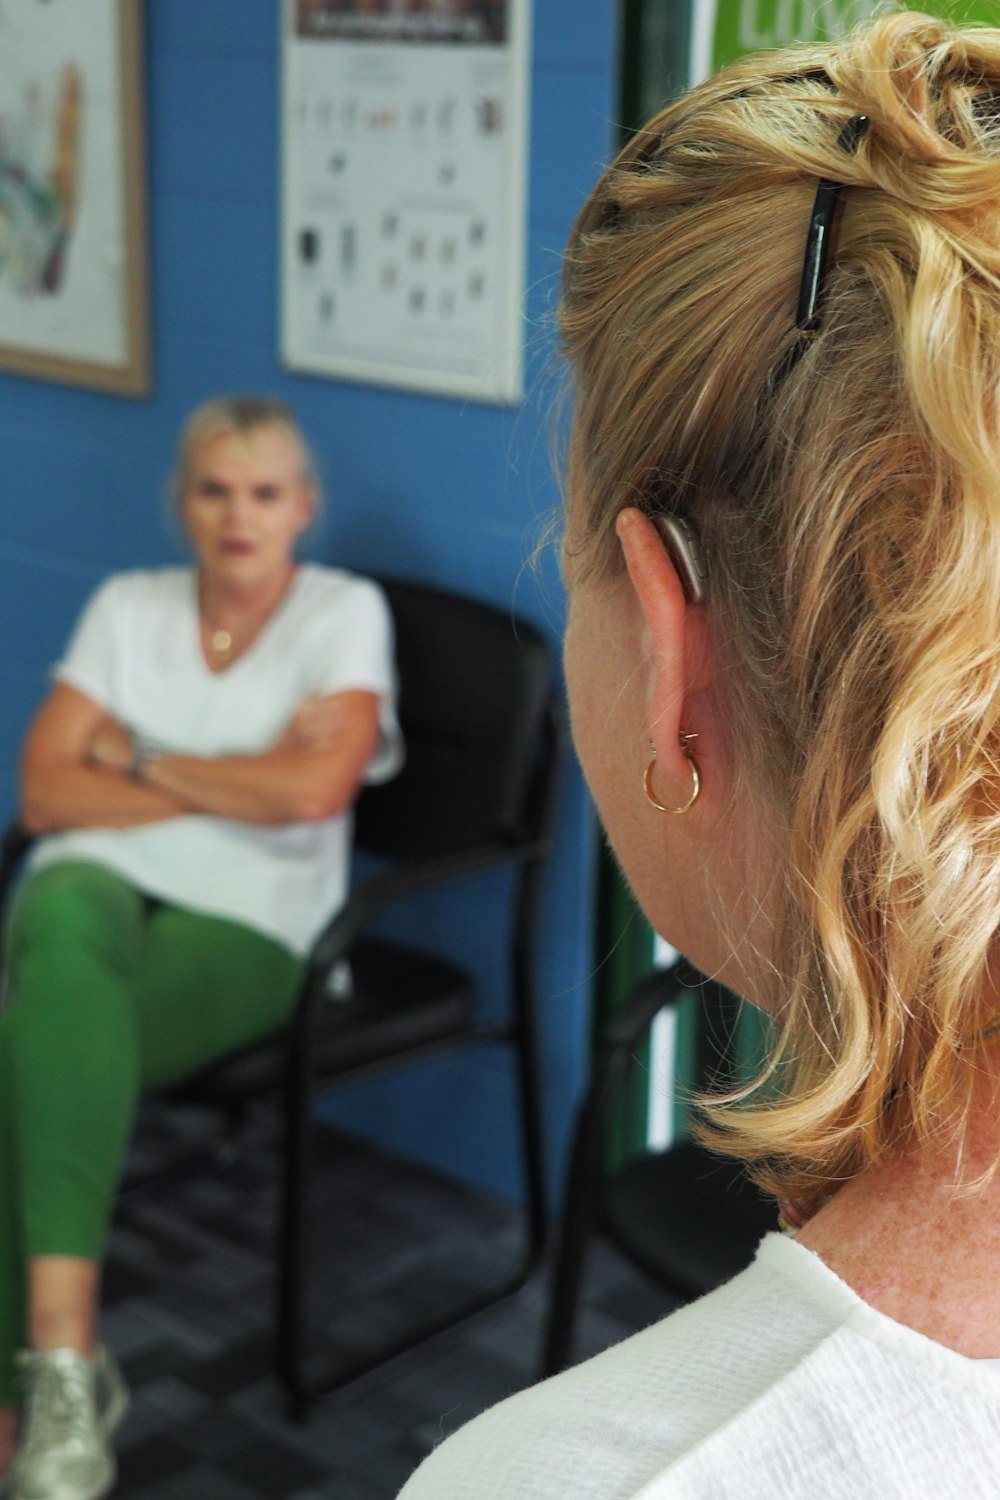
(403, 192)
(67, 148)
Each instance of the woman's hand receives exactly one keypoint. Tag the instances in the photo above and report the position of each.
(313, 772)
(112, 747)
(316, 724)
(71, 748)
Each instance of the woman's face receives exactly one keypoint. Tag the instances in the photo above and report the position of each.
(246, 501)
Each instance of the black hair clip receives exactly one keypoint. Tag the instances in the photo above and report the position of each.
(814, 270)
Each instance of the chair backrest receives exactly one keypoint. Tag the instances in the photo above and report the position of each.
(476, 708)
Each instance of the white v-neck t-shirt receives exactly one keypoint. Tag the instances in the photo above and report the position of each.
(781, 1385)
(137, 652)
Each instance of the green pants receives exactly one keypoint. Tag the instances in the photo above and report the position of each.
(109, 994)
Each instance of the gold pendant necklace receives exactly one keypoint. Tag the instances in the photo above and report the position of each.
(221, 643)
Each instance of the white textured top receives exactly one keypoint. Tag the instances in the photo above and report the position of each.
(137, 652)
(781, 1385)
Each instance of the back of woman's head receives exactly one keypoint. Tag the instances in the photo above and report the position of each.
(846, 493)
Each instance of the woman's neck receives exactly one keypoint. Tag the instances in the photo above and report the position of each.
(222, 602)
(916, 1241)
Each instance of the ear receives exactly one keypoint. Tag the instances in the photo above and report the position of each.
(310, 500)
(676, 638)
(182, 505)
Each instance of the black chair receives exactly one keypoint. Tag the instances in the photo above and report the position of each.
(483, 733)
(685, 1217)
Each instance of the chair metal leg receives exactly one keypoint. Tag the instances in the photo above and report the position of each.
(292, 1247)
(577, 1221)
(529, 1072)
(610, 1066)
(303, 1382)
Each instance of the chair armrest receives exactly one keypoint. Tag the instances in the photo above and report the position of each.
(374, 895)
(15, 841)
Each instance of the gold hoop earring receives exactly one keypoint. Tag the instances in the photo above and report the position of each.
(647, 780)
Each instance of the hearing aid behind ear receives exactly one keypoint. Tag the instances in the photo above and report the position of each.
(679, 540)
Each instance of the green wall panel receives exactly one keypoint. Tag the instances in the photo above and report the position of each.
(740, 26)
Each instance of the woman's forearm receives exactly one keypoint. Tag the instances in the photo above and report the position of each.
(63, 787)
(76, 795)
(313, 772)
(280, 786)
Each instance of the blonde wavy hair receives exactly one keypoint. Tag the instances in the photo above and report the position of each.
(848, 507)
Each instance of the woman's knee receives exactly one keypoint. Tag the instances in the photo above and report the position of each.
(74, 910)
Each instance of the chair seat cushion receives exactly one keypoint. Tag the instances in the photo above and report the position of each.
(401, 1000)
(686, 1217)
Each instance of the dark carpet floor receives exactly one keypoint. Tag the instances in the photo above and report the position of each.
(188, 1311)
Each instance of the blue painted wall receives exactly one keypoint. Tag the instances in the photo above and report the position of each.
(416, 486)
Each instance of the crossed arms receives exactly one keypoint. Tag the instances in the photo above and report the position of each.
(77, 758)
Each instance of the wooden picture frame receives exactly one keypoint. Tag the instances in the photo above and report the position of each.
(74, 298)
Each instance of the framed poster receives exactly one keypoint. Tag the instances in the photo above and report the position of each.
(403, 192)
(73, 259)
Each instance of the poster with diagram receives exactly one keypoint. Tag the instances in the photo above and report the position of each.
(72, 243)
(404, 150)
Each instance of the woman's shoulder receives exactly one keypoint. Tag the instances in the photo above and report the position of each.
(737, 1371)
(334, 583)
(139, 593)
(607, 1427)
(146, 584)
(337, 594)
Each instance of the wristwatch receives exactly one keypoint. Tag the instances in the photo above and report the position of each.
(144, 751)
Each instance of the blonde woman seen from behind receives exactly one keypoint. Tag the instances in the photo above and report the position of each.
(781, 312)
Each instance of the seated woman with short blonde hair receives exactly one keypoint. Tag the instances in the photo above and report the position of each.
(191, 776)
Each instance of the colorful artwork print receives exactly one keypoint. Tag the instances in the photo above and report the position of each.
(472, 22)
(73, 282)
(40, 145)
